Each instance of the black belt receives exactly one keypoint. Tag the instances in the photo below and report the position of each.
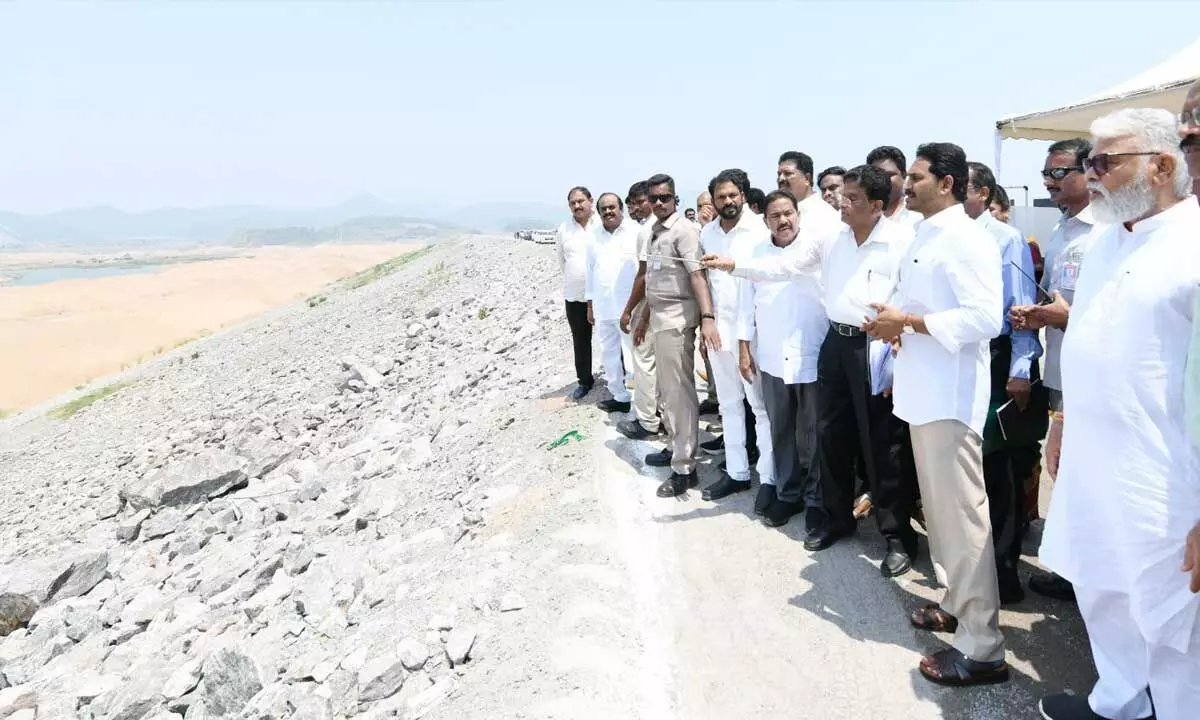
(845, 330)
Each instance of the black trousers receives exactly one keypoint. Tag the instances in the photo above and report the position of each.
(581, 338)
(1005, 487)
(792, 411)
(852, 423)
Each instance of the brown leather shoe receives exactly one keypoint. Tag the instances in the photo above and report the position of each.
(951, 668)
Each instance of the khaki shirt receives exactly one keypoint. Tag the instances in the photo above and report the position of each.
(668, 282)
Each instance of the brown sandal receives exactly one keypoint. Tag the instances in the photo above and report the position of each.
(950, 667)
(933, 618)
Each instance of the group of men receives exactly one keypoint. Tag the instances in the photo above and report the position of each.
(895, 338)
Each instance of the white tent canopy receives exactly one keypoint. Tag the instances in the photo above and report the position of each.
(1163, 86)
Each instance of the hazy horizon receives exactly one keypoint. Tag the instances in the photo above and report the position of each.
(145, 107)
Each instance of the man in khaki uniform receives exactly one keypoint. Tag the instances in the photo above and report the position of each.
(677, 301)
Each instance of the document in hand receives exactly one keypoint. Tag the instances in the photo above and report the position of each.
(879, 359)
(1022, 428)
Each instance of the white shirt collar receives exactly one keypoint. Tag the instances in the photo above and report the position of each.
(942, 219)
(1180, 211)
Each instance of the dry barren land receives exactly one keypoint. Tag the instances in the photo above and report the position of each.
(56, 336)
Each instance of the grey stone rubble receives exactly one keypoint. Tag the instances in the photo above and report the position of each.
(281, 520)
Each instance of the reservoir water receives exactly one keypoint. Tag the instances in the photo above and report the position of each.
(46, 275)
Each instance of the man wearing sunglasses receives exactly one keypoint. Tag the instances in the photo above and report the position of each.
(1014, 354)
(1124, 523)
(1066, 184)
(1189, 134)
(677, 302)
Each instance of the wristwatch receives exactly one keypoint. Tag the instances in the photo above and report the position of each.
(708, 316)
(908, 328)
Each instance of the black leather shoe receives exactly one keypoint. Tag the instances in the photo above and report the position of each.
(662, 458)
(1011, 594)
(611, 406)
(724, 487)
(716, 446)
(677, 485)
(709, 407)
(1052, 586)
(634, 430)
(780, 512)
(897, 561)
(580, 392)
(762, 501)
(821, 533)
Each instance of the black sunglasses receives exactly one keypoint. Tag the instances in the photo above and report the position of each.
(1059, 173)
(1099, 163)
(1190, 117)
(664, 199)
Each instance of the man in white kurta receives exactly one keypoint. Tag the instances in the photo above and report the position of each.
(736, 231)
(611, 269)
(1128, 489)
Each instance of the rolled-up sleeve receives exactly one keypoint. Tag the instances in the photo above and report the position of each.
(974, 277)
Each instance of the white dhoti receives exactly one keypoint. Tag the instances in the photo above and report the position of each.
(1129, 665)
(731, 389)
(616, 352)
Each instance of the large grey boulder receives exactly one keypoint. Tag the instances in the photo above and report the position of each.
(188, 481)
(80, 575)
(231, 679)
(15, 611)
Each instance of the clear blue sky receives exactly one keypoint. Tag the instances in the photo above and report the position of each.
(141, 105)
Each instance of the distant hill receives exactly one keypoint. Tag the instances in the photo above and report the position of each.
(358, 219)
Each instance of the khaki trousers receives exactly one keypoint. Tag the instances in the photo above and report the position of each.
(645, 381)
(949, 460)
(674, 355)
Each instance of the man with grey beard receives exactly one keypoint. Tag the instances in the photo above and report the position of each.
(1189, 134)
(1124, 522)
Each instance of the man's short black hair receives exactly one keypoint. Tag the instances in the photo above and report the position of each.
(802, 162)
(834, 170)
(888, 152)
(620, 205)
(1079, 147)
(778, 195)
(659, 179)
(755, 197)
(874, 182)
(947, 160)
(983, 178)
(638, 189)
(579, 188)
(738, 177)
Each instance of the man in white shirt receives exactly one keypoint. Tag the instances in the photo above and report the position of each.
(795, 173)
(612, 266)
(947, 306)
(646, 422)
(855, 267)
(891, 160)
(1124, 521)
(780, 331)
(711, 403)
(571, 240)
(735, 231)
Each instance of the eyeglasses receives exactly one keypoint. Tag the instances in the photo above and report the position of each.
(1059, 173)
(1189, 117)
(664, 199)
(1099, 163)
